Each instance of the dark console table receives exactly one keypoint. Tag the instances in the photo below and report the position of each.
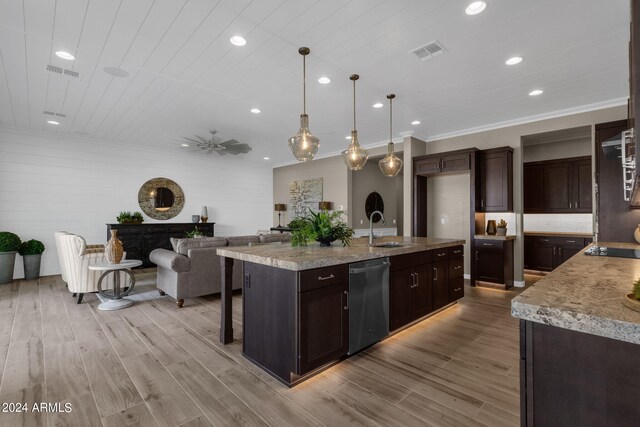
(139, 240)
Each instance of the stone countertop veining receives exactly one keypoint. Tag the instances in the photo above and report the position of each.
(494, 237)
(585, 295)
(314, 256)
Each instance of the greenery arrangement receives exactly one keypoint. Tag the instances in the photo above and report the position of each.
(194, 233)
(9, 242)
(323, 226)
(125, 217)
(502, 224)
(31, 247)
(636, 289)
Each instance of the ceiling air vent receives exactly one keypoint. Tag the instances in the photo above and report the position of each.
(429, 51)
(51, 113)
(62, 71)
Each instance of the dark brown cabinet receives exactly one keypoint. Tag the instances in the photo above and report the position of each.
(545, 253)
(442, 163)
(494, 261)
(558, 186)
(440, 284)
(139, 240)
(496, 180)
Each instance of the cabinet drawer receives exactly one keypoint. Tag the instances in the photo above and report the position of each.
(399, 262)
(456, 288)
(321, 277)
(442, 253)
(489, 244)
(456, 267)
(456, 251)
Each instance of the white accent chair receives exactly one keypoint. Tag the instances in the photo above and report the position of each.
(75, 257)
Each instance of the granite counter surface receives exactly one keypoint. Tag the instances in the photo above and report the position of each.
(314, 256)
(494, 237)
(585, 295)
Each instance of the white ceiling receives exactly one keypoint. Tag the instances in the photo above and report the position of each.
(186, 78)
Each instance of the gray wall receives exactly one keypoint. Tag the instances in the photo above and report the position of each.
(556, 150)
(371, 179)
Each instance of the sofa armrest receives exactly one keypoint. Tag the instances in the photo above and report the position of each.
(171, 260)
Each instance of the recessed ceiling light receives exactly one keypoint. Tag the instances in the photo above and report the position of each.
(324, 80)
(415, 122)
(265, 158)
(65, 55)
(256, 111)
(514, 60)
(475, 8)
(184, 145)
(116, 72)
(53, 122)
(536, 92)
(377, 105)
(238, 41)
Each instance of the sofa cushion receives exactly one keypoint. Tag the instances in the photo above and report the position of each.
(182, 246)
(272, 238)
(242, 240)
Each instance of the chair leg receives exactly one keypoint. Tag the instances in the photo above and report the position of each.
(180, 303)
(161, 292)
(74, 295)
(80, 295)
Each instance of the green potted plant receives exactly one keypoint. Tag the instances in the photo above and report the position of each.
(195, 233)
(501, 228)
(9, 245)
(31, 252)
(632, 300)
(324, 227)
(126, 217)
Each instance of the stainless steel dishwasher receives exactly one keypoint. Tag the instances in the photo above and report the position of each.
(368, 303)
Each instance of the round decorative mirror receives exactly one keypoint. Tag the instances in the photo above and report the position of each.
(374, 203)
(161, 198)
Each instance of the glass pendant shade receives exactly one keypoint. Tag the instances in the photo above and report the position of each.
(303, 145)
(391, 164)
(355, 156)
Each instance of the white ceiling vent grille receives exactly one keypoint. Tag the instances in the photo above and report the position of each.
(429, 51)
(62, 71)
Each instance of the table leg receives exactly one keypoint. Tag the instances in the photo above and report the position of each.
(226, 325)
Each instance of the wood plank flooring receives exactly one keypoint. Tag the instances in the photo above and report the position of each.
(155, 365)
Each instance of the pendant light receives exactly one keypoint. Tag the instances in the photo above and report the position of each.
(304, 146)
(355, 156)
(391, 164)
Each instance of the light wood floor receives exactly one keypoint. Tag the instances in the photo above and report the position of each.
(152, 364)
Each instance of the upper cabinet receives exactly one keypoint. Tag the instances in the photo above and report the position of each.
(496, 180)
(453, 161)
(558, 186)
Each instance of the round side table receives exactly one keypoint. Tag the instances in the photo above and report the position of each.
(115, 298)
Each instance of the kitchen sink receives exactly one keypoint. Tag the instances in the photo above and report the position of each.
(389, 245)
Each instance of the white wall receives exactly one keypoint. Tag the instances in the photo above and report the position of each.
(51, 182)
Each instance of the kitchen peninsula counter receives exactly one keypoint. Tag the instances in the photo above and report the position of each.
(579, 344)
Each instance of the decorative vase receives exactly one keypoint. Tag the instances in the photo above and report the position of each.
(31, 266)
(491, 227)
(325, 241)
(195, 218)
(204, 215)
(113, 249)
(501, 231)
(636, 233)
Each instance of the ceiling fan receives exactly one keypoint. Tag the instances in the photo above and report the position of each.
(213, 145)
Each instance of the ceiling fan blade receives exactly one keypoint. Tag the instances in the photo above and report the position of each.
(192, 140)
(230, 142)
(238, 149)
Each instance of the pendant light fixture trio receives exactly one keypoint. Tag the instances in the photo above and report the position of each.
(303, 144)
(391, 164)
(355, 156)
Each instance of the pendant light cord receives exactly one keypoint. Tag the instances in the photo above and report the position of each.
(304, 84)
(354, 104)
(390, 119)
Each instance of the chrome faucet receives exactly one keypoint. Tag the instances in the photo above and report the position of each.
(371, 225)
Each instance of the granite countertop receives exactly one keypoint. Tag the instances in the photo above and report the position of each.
(314, 256)
(585, 294)
(494, 237)
(558, 233)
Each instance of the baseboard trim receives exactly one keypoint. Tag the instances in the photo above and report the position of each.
(518, 283)
(467, 276)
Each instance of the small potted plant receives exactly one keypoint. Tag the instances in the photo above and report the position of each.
(324, 227)
(9, 246)
(194, 234)
(632, 300)
(501, 228)
(31, 252)
(126, 217)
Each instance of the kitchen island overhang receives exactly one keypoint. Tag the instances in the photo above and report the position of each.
(296, 299)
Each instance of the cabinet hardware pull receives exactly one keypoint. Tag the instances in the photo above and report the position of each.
(346, 306)
(457, 289)
(487, 244)
(417, 280)
(458, 267)
(457, 252)
(413, 280)
(482, 203)
(327, 277)
(544, 240)
(570, 241)
(554, 250)
(441, 254)
(435, 270)
(477, 256)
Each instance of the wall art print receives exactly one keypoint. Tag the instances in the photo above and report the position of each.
(304, 194)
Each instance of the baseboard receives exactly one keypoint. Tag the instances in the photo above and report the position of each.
(518, 283)
(467, 276)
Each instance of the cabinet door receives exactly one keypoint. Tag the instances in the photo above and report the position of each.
(401, 284)
(490, 265)
(496, 181)
(564, 252)
(427, 166)
(533, 190)
(421, 292)
(543, 256)
(581, 187)
(557, 187)
(324, 325)
(456, 288)
(439, 284)
(455, 162)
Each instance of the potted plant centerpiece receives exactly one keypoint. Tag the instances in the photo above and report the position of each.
(126, 217)
(31, 252)
(632, 300)
(501, 228)
(9, 245)
(324, 227)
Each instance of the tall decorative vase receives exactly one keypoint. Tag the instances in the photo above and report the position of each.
(204, 215)
(113, 249)
(491, 227)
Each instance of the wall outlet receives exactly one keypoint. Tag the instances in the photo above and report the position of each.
(394, 221)
(443, 221)
(361, 222)
(340, 207)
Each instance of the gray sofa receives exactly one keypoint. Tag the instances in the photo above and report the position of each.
(192, 269)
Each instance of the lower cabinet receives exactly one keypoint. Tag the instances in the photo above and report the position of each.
(494, 261)
(545, 253)
(440, 284)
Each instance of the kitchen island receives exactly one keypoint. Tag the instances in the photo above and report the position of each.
(579, 345)
(296, 299)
